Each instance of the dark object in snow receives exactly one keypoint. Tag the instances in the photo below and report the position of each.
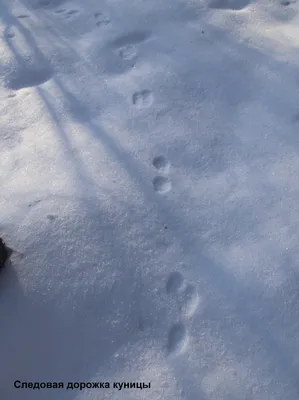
(4, 254)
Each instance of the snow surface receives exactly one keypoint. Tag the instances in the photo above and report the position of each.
(149, 177)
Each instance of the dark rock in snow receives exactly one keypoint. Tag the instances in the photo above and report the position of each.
(4, 254)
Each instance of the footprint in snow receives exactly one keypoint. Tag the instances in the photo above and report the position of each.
(143, 98)
(188, 301)
(177, 340)
(161, 164)
(186, 295)
(174, 283)
(126, 46)
(187, 298)
(162, 184)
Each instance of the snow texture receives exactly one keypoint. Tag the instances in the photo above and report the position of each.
(148, 171)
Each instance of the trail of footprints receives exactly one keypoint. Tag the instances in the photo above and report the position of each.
(126, 49)
(187, 300)
(184, 293)
(37, 72)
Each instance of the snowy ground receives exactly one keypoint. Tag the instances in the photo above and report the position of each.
(149, 176)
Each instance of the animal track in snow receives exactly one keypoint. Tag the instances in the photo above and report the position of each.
(188, 301)
(126, 46)
(161, 184)
(23, 16)
(229, 4)
(177, 339)
(186, 295)
(161, 164)
(143, 99)
(101, 18)
(28, 77)
(174, 283)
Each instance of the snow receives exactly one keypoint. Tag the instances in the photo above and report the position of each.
(149, 187)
